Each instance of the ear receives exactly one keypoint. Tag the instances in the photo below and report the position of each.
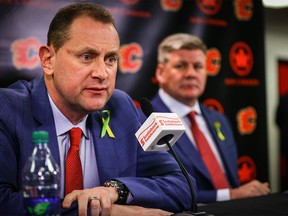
(159, 72)
(46, 55)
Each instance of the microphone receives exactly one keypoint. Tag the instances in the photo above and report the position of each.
(158, 129)
(159, 132)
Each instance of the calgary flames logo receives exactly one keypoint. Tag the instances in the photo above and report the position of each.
(130, 58)
(209, 7)
(243, 9)
(247, 120)
(171, 5)
(25, 53)
(241, 58)
(213, 105)
(213, 62)
(246, 169)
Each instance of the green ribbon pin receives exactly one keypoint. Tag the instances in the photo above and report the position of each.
(105, 128)
(217, 126)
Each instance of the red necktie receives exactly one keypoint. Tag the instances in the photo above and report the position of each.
(73, 169)
(208, 156)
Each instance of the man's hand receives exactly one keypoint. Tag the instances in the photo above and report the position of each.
(250, 189)
(100, 199)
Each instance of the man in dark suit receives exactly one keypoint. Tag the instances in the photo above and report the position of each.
(77, 90)
(181, 74)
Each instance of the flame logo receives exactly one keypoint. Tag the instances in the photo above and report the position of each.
(131, 58)
(25, 53)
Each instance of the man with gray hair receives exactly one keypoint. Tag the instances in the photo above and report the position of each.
(207, 155)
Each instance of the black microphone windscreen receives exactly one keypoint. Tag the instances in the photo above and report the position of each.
(146, 107)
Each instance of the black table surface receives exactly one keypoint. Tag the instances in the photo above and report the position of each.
(272, 204)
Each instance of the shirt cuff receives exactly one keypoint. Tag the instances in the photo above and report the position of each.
(223, 195)
(130, 198)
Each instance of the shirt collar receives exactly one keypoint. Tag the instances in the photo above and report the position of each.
(177, 107)
(62, 124)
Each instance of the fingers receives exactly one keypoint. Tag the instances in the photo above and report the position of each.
(261, 188)
(69, 199)
(95, 205)
(100, 205)
(106, 205)
(255, 188)
(81, 196)
(98, 198)
(251, 189)
(83, 200)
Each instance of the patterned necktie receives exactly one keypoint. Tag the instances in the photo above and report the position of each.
(73, 168)
(207, 155)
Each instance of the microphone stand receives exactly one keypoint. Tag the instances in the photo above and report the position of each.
(194, 210)
(147, 109)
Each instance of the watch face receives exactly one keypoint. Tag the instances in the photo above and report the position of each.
(111, 183)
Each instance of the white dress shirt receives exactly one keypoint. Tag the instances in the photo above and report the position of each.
(182, 111)
(87, 152)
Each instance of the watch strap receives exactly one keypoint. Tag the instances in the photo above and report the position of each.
(121, 189)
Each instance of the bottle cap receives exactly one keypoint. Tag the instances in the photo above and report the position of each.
(40, 137)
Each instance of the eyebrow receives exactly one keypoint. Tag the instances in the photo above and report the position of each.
(86, 50)
(95, 52)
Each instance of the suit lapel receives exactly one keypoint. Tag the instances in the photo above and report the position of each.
(191, 156)
(43, 115)
(105, 150)
(221, 145)
(183, 146)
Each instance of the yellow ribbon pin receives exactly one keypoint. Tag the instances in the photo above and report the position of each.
(217, 126)
(106, 128)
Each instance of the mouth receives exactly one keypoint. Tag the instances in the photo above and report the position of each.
(96, 90)
(189, 85)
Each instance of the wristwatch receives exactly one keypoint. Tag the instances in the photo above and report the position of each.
(121, 189)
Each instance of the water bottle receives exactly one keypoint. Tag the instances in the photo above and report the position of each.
(41, 179)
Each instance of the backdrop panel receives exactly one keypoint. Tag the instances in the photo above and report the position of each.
(232, 30)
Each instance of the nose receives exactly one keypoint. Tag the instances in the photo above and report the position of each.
(190, 70)
(99, 70)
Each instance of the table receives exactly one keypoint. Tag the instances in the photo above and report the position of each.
(272, 204)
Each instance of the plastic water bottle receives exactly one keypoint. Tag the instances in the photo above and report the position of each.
(41, 179)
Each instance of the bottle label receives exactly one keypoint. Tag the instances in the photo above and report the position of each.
(42, 206)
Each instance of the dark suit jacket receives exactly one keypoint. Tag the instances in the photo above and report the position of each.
(25, 108)
(191, 158)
